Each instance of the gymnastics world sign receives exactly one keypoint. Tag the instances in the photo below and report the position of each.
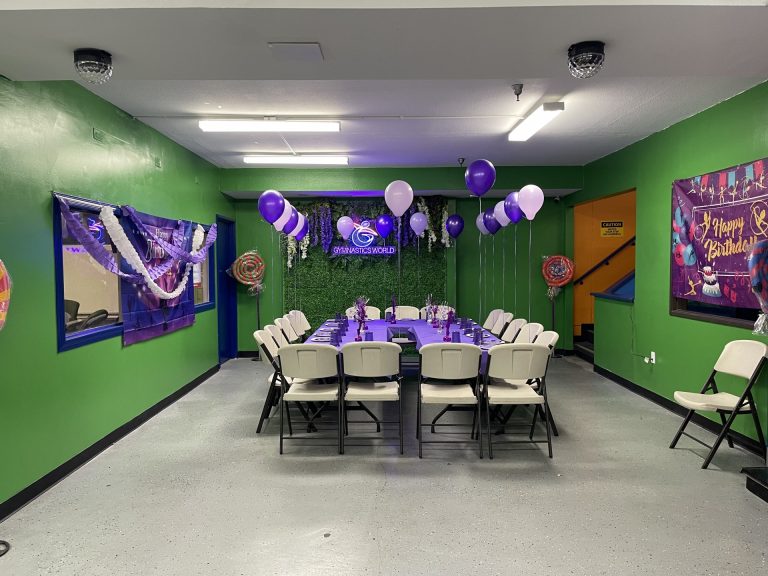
(362, 242)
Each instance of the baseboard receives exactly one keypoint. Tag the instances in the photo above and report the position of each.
(36, 488)
(745, 442)
(248, 354)
(564, 352)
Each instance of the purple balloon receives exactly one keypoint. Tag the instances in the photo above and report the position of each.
(491, 224)
(480, 177)
(303, 231)
(454, 225)
(384, 225)
(290, 226)
(418, 223)
(512, 208)
(271, 204)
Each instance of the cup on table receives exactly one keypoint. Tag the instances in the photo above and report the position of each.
(369, 336)
(455, 336)
(388, 316)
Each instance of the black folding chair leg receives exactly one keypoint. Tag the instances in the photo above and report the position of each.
(533, 423)
(371, 414)
(682, 427)
(728, 436)
(440, 415)
(549, 431)
(479, 414)
(488, 427)
(756, 420)
(268, 403)
(418, 424)
(552, 422)
(282, 403)
(400, 421)
(720, 437)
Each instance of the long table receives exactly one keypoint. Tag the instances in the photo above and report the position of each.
(420, 331)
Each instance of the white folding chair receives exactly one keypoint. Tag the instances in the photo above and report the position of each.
(449, 376)
(502, 322)
(510, 367)
(304, 322)
(529, 333)
(405, 312)
(350, 313)
(510, 333)
(285, 325)
(742, 358)
(277, 335)
(314, 369)
(372, 313)
(493, 315)
(294, 316)
(268, 351)
(547, 338)
(371, 372)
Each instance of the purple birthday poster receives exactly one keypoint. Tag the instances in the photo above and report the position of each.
(716, 218)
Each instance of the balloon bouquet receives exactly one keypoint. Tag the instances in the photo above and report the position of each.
(758, 274)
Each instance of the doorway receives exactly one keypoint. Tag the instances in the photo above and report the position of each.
(226, 252)
(604, 255)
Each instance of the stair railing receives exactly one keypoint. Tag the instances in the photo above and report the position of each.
(605, 261)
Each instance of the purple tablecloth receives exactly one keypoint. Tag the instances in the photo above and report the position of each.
(420, 331)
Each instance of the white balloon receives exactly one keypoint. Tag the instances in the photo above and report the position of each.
(481, 225)
(284, 217)
(299, 226)
(531, 199)
(500, 214)
(398, 195)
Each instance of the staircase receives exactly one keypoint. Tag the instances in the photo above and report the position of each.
(584, 345)
(757, 481)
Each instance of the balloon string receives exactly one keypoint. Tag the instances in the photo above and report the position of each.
(493, 258)
(516, 311)
(504, 275)
(530, 262)
(480, 275)
(418, 263)
(399, 247)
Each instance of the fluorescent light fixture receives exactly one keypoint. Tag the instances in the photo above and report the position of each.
(300, 159)
(269, 126)
(542, 116)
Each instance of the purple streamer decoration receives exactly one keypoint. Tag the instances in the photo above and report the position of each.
(175, 251)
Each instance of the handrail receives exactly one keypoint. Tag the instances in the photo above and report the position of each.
(605, 261)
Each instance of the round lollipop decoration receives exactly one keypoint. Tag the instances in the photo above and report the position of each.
(5, 293)
(557, 272)
(249, 270)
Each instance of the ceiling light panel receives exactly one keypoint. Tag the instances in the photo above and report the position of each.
(306, 159)
(234, 125)
(542, 116)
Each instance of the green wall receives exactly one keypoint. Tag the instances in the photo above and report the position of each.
(55, 405)
(496, 269)
(727, 134)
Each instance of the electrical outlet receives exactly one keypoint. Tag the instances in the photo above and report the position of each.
(653, 357)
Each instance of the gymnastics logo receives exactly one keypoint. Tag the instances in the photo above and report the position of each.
(364, 235)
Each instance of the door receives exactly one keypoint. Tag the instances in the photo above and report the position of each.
(226, 252)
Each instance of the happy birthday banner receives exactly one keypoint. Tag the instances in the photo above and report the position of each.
(716, 218)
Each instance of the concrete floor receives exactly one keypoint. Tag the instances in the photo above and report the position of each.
(196, 491)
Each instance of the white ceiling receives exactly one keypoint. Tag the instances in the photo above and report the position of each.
(414, 87)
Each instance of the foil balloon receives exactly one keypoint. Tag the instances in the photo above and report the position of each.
(5, 293)
(758, 276)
